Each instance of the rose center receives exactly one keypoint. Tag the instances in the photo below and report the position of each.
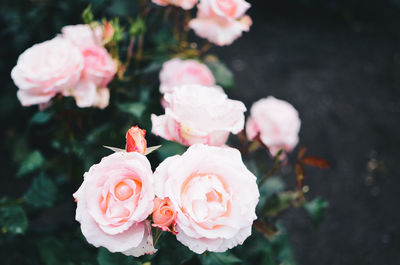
(228, 7)
(123, 191)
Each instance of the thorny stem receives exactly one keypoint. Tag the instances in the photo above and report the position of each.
(273, 169)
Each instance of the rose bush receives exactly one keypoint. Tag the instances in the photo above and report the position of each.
(207, 199)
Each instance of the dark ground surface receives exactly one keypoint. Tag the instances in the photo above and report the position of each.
(344, 80)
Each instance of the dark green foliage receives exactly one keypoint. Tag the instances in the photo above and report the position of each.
(13, 220)
(222, 74)
(32, 162)
(316, 208)
(42, 192)
(105, 257)
(226, 258)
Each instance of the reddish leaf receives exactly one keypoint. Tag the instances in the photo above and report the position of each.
(302, 152)
(266, 228)
(300, 173)
(315, 161)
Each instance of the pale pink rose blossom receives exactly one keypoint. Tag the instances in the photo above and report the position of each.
(214, 194)
(199, 114)
(114, 201)
(233, 9)
(177, 72)
(276, 121)
(45, 69)
(82, 35)
(86, 94)
(99, 67)
(221, 21)
(185, 4)
(103, 98)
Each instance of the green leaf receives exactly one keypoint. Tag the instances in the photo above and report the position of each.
(52, 251)
(87, 15)
(137, 27)
(41, 117)
(136, 108)
(32, 162)
(42, 193)
(226, 258)
(13, 220)
(171, 252)
(223, 76)
(105, 257)
(316, 208)
(169, 148)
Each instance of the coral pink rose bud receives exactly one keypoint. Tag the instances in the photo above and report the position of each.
(108, 32)
(177, 72)
(82, 35)
(164, 215)
(214, 194)
(185, 4)
(114, 201)
(135, 140)
(199, 114)
(46, 69)
(276, 121)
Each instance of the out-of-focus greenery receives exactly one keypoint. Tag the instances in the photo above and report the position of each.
(44, 154)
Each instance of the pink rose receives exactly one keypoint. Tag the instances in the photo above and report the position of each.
(135, 140)
(214, 194)
(233, 9)
(185, 4)
(82, 35)
(99, 67)
(164, 215)
(199, 114)
(276, 121)
(46, 69)
(113, 202)
(221, 21)
(177, 72)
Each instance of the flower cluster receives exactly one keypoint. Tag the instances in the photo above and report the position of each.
(72, 64)
(206, 197)
(219, 21)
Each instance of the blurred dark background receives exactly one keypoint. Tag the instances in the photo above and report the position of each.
(336, 61)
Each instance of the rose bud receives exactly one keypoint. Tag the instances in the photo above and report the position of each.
(108, 32)
(135, 141)
(164, 215)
